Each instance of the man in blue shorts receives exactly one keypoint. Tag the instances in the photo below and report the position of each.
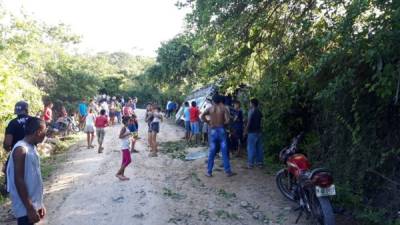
(195, 122)
(83, 111)
(186, 116)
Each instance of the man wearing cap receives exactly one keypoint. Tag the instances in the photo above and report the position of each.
(15, 129)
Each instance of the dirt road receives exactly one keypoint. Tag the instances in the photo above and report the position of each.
(161, 190)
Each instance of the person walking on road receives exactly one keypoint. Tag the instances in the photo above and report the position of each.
(255, 154)
(186, 117)
(125, 136)
(169, 109)
(127, 110)
(118, 108)
(112, 114)
(134, 103)
(195, 122)
(155, 129)
(83, 110)
(93, 106)
(101, 123)
(133, 128)
(237, 128)
(24, 179)
(218, 118)
(90, 128)
(148, 119)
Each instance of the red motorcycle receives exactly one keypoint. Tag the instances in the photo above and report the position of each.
(310, 189)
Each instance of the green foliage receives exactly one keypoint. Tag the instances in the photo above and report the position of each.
(328, 68)
(175, 149)
(37, 65)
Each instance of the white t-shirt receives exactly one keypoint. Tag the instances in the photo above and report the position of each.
(90, 120)
(125, 142)
(157, 117)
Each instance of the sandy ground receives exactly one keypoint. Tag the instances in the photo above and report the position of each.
(162, 190)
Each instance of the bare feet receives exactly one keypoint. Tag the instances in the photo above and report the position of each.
(120, 177)
(153, 154)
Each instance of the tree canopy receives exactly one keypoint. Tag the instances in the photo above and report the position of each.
(328, 68)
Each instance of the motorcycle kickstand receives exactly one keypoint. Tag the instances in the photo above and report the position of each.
(297, 209)
(298, 217)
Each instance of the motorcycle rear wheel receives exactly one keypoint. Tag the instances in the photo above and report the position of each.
(285, 184)
(322, 211)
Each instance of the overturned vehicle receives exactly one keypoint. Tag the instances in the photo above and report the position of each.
(204, 95)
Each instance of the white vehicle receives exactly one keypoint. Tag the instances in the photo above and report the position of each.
(203, 99)
(204, 95)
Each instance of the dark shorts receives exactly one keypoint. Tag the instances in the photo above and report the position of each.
(149, 127)
(155, 127)
(23, 221)
(82, 118)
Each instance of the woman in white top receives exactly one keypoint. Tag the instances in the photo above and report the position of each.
(90, 128)
(155, 129)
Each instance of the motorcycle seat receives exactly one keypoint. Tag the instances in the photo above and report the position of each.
(317, 170)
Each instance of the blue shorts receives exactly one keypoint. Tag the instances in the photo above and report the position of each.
(187, 126)
(132, 128)
(195, 127)
(155, 127)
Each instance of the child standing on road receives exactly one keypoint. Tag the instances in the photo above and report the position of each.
(194, 122)
(100, 123)
(133, 128)
(155, 129)
(149, 118)
(125, 136)
(186, 116)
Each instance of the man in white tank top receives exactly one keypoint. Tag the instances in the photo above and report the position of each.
(24, 179)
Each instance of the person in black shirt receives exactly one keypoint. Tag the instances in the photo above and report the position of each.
(237, 127)
(255, 154)
(15, 128)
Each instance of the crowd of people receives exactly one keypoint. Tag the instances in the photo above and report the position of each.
(22, 168)
(221, 126)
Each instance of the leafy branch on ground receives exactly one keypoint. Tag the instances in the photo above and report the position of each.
(173, 195)
(174, 149)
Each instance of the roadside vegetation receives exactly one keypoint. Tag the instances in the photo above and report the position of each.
(328, 68)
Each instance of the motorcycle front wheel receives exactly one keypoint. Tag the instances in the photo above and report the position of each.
(75, 128)
(285, 183)
(322, 211)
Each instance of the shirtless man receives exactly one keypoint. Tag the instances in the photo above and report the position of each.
(218, 117)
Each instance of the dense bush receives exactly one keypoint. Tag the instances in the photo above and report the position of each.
(329, 68)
